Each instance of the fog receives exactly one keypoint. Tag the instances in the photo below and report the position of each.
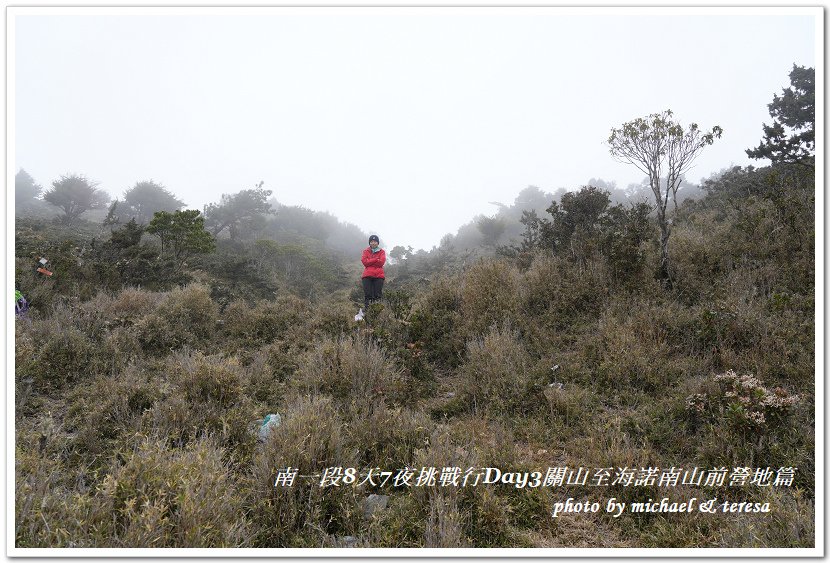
(406, 122)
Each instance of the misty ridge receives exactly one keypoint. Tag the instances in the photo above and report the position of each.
(262, 217)
(634, 332)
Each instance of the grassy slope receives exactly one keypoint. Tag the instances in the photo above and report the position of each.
(136, 411)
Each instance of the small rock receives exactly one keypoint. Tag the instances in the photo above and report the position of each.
(373, 504)
(556, 385)
(347, 541)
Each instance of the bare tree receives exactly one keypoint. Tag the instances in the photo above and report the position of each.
(657, 145)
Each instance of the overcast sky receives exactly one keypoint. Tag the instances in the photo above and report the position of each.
(405, 122)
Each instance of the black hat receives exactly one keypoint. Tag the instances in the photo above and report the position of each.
(374, 238)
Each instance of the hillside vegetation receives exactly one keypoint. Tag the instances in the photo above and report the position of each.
(565, 353)
(137, 408)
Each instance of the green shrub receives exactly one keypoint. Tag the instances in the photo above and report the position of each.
(416, 514)
(183, 317)
(402, 525)
(489, 295)
(205, 396)
(190, 311)
(158, 337)
(558, 297)
(163, 497)
(64, 356)
(38, 290)
(695, 258)
(571, 406)
(265, 321)
(790, 524)
(436, 321)
(350, 369)
(43, 486)
(497, 379)
(386, 437)
(119, 348)
(638, 346)
(25, 353)
(445, 526)
(721, 326)
(745, 403)
(399, 302)
(310, 439)
(107, 409)
(471, 444)
(268, 369)
(130, 304)
(333, 319)
(385, 328)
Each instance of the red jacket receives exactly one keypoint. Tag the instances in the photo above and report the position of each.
(373, 262)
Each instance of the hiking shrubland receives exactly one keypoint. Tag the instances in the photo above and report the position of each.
(141, 385)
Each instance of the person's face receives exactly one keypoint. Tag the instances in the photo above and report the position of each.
(373, 244)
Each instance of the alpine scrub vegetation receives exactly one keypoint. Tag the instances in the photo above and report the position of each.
(138, 411)
(139, 404)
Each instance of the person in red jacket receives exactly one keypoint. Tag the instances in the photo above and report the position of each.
(373, 259)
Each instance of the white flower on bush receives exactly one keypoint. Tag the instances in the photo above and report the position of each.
(743, 400)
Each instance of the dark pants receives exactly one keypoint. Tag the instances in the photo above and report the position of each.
(372, 290)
